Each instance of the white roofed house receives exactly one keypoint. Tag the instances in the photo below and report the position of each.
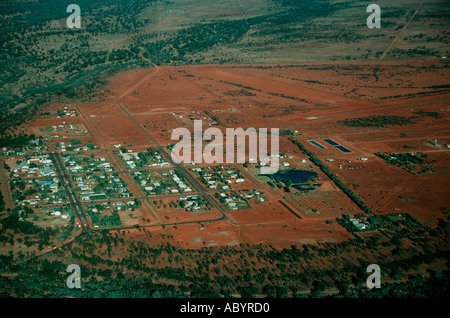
(104, 165)
(84, 196)
(131, 164)
(24, 166)
(212, 184)
(75, 168)
(54, 187)
(45, 161)
(360, 226)
(47, 171)
(182, 186)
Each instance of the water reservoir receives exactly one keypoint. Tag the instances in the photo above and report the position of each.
(295, 176)
(315, 143)
(331, 142)
(343, 149)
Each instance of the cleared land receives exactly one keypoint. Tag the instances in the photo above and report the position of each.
(172, 97)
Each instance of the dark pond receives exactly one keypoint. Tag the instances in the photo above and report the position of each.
(343, 149)
(331, 142)
(296, 176)
(318, 145)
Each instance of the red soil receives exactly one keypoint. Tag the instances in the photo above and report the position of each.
(311, 99)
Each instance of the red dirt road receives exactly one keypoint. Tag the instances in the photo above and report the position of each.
(311, 99)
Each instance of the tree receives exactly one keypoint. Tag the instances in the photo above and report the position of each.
(318, 288)
(288, 183)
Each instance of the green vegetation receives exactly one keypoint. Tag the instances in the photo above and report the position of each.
(290, 178)
(413, 163)
(2, 202)
(43, 61)
(240, 85)
(106, 221)
(377, 121)
(435, 115)
(15, 230)
(188, 46)
(75, 142)
(147, 270)
(395, 226)
(16, 141)
(288, 97)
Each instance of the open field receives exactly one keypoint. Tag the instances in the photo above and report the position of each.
(72, 66)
